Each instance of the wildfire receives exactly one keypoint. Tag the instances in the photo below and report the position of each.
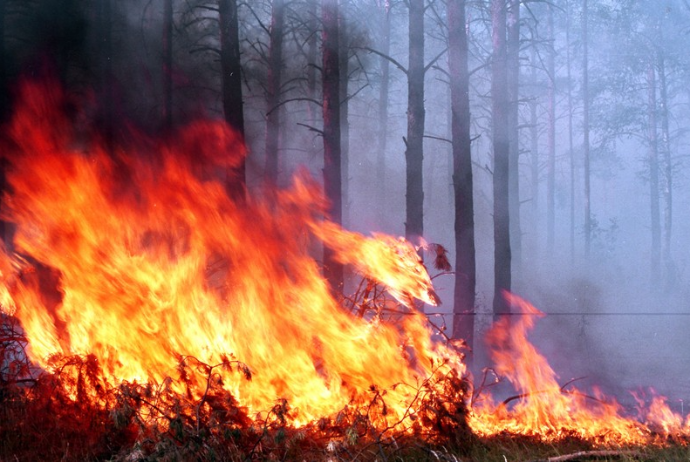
(140, 259)
(136, 257)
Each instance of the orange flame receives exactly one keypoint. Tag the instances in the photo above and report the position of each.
(149, 260)
(546, 410)
(138, 257)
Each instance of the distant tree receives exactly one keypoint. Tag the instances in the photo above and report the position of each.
(167, 63)
(653, 160)
(332, 173)
(4, 101)
(383, 101)
(231, 78)
(513, 81)
(465, 259)
(586, 128)
(551, 133)
(344, 69)
(500, 107)
(273, 90)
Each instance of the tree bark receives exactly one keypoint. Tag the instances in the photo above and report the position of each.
(585, 128)
(383, 110)
(273, 111)
(653, 160)
(501, 149)
(513, 71)
(231, 79)
(167, 64)
(465, 264)
(414, 152)
(332, 174)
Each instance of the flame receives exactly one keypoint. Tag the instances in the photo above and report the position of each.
(547, 410)
(139, 258)
(136, 256)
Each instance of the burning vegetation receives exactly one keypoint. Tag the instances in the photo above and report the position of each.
(147, 315)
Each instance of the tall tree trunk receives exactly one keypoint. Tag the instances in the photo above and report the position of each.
(105, 69)
(571, 149)
(167, 64)
(513, 70)
(669, 266)
(383, 109)
(332, 173)
(4, 100)
(414, 153)
(653, 160)
(231, 77)
(273, 111)
(551, 174)
(500, 107)
(344, 58)
(585, 127)
(465, 264)
(312, 25)
(534, 164)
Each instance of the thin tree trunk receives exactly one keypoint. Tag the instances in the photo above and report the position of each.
(513, 70)
(571, 150)
(669, 266)
(501, 150)
(231, 78)
(585, 127)
(4, 100)
(534, 149)
(312, 6)
(344, 57)
(383, 109)
(653, 176)
(551, 174)
(167, 64)
(414, 153)
(465, 264)
(106, 70)
(332, 174)
(273, 111)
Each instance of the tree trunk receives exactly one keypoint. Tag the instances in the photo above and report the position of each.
(571, 149)
(513, 71)
(585, 128)
(231, 78)
(332, 174)
(273, 111)
(105, 69)
(465, 265)
(4, 100)
(167, 64)
(653, 176)
(383, 110)
(669, 265)
(312, 15)
(534, 150)
(551, 174)
(344, 59)
(414, 153)
(500, 118)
